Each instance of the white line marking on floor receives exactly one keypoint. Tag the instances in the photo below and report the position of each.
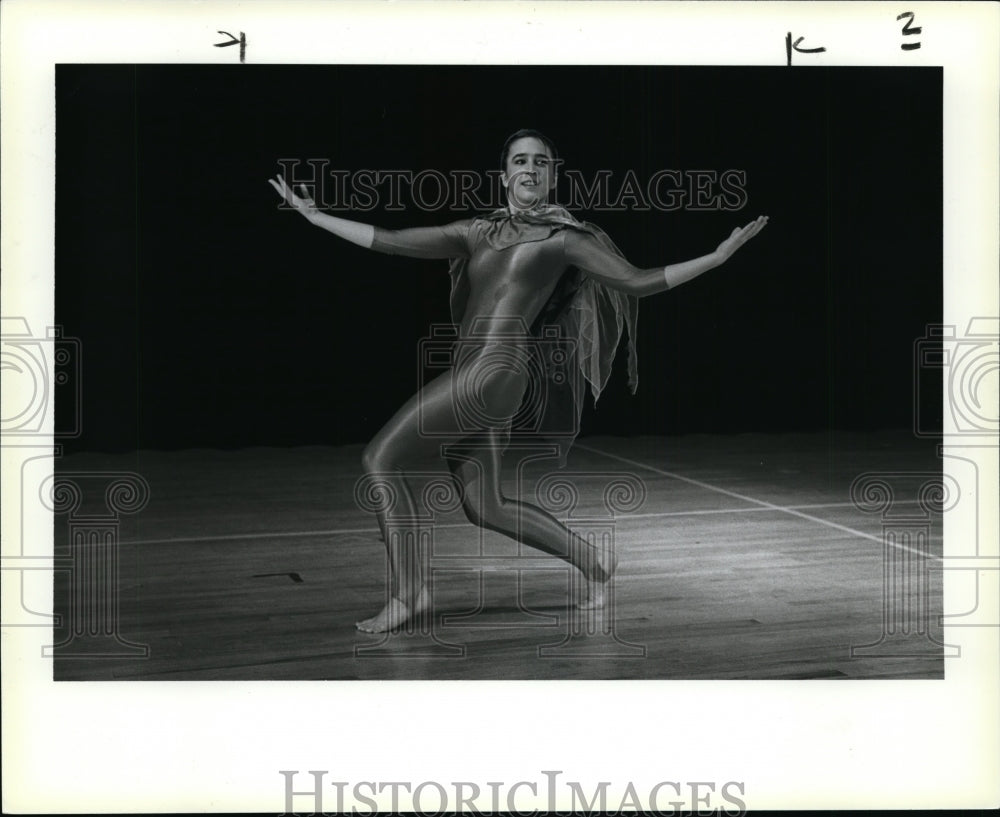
(761, 502)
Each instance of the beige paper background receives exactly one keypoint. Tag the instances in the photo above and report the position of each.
(86, 747)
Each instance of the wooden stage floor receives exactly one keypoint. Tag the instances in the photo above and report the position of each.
(747, 560)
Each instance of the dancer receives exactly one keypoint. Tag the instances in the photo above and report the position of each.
(527, 263)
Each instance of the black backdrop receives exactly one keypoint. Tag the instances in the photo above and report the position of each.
(209, 318)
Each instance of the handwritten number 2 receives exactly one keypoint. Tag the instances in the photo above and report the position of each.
(909, 28)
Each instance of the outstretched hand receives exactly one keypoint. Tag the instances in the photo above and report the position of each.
(739, 237)
(304, 204)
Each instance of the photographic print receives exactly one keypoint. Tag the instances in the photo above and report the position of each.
(529, 373)
(347, 331)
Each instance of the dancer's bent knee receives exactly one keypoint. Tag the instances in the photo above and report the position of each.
(491, 515)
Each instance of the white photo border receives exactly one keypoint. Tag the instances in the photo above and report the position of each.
(156, 747)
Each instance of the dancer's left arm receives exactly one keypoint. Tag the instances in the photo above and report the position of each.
(598, 262)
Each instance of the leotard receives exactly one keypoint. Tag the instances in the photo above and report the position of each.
(537, 270)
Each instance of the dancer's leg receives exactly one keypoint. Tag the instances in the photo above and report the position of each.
(397, 443)
(477, 470)
(416, 432)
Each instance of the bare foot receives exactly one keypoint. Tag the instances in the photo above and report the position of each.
(596, 586)
(395, 614)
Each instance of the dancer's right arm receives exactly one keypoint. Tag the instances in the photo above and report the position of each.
(449, 241)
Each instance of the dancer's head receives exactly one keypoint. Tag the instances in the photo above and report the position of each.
(529, 161)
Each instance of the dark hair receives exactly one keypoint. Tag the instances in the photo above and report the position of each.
(541, 137)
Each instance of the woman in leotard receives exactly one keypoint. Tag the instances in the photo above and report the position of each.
(509, 269)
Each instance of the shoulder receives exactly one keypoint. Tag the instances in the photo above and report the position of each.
(582, 238)
(463, 225)
(590, 236)
(592, 250)
(460, 231)
(474, 229)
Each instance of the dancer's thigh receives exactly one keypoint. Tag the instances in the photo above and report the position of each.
(433, 418)
(489, 382)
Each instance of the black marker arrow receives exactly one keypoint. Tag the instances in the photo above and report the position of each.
(241, 41)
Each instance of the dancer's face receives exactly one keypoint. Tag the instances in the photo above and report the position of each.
(530, 172)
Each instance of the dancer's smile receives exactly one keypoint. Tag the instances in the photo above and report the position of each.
(529, 171)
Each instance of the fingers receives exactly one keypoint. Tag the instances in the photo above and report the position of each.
(278, 183)
(741, 235)
(305, 197)
(286, 192)
(759, 225)
(753, 228)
